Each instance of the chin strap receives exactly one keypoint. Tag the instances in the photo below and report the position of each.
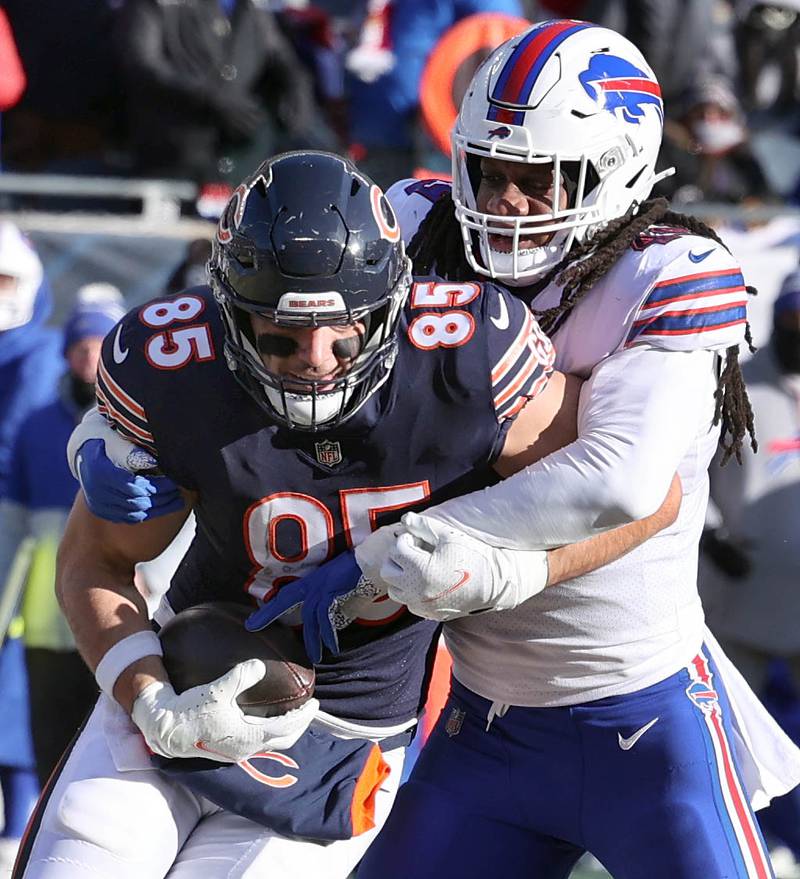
(662, 175)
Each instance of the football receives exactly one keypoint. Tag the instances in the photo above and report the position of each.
(206, 640)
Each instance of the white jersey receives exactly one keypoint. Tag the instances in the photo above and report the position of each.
(644, 338)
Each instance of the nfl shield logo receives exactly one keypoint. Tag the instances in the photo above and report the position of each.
(454, 722)
(328, 453)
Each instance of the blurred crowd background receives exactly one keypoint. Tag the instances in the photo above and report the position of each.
(201, 90)
(124, 125)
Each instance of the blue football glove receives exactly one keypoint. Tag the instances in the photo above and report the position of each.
(323, 594)
(119, 495)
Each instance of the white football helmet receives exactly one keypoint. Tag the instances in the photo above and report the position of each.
(18, 261)
(569, 93)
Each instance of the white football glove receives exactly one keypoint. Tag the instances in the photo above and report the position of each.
(206, 721)
(440, 573)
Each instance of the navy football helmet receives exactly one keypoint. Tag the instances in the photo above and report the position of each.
(308, 241)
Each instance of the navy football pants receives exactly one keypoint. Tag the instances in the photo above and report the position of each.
(652, 799)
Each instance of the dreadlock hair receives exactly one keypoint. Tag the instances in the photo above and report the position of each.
(438, 245)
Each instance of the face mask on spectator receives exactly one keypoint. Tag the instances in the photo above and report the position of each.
(81, 392)
(717, 137)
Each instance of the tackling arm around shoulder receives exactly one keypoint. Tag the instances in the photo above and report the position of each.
(442, 572)
(637, 416)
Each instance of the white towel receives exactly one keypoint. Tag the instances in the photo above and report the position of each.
(769, 760)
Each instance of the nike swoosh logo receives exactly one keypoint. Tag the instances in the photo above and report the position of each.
(465, 575)
(627, 744)
(502, 321)
(119, 354)
(699, 257)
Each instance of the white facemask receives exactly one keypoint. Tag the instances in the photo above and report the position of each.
(304, 410)
(531, 263)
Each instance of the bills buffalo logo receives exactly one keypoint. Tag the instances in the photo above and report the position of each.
(620, 87)
(502, 131)
(704, 696)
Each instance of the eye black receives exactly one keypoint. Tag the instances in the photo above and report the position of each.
(276, 346)
(347, 349)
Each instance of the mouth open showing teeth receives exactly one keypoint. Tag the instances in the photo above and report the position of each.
(505, 244)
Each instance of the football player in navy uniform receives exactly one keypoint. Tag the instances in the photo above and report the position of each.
(311, 393)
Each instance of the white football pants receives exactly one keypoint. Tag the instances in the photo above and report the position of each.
(111, 815)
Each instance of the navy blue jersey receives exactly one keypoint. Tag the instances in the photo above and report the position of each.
(275, 504)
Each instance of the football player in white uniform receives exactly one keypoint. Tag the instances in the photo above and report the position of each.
(592, 716)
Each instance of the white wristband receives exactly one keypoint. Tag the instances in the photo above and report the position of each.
(125, 652)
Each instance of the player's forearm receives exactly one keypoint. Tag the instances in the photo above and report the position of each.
(577, 559)
(102, 610)
(425, 555)
(102, 606)
(96, 591)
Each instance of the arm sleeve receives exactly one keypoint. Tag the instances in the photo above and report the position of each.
(638, 415)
